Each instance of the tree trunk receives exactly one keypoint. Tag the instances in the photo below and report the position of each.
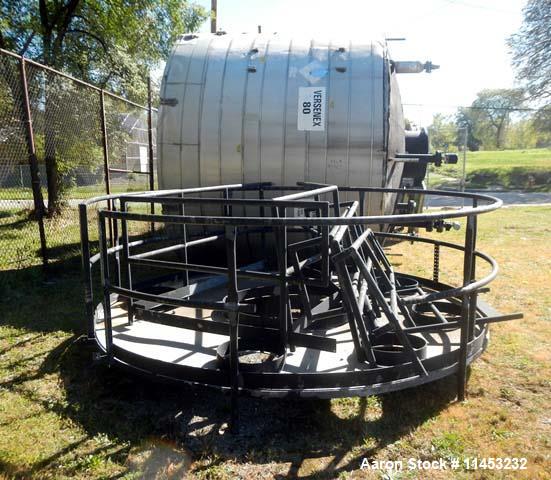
(499, 134)
(52, 172)
(53, 178)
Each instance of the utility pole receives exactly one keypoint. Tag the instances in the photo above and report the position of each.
(213, 15)
(465, 137)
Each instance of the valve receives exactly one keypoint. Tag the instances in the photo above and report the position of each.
(441, 226)
(414, 67)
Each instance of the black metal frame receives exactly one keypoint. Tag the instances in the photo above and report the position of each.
(340, 242)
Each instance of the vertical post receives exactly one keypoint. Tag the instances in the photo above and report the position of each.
(325, 269)
(281, 243)
(465, 307)
(86, 270)
(336, 203)
(474, 296)
(316, 227)
(115, 224)
(33, 166)
(125, 263)
(181, 212)
(213, 15)
(106, 159)
(233, 317)
(105, 283)
(463, 173)
(262, 233)
(226, 208)
(150, 146)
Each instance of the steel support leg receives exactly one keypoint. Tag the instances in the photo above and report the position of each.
(105, 283)
(465, 307)
(233, 317)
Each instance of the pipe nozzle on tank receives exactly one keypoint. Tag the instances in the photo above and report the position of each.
(414, 67)
(437, 158)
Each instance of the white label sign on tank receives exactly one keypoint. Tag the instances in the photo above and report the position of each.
(311, 108)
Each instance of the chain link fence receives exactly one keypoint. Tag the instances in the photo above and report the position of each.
(86, 142)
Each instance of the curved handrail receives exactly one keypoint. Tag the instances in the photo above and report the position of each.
(159, 193)
(493, 204)
(402, 219)
(412, 299)
(490, 204)
(452, 292)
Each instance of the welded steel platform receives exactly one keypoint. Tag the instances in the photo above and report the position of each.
(283, 290)
(187, 355)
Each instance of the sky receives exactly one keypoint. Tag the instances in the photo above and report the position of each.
(466, 38)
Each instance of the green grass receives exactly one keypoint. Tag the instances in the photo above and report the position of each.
(20, 239)
(64, 417)
(528, 170)
(534, 158)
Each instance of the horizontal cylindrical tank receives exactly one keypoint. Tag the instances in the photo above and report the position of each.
(251, 108)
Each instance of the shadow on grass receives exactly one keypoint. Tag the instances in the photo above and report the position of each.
(280, 431)
(16, 224)
(40, 303)
(131, 410)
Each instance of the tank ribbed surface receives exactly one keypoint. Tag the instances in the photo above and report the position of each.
(230, 108)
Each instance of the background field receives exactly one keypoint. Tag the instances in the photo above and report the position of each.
(61, 416)
(528, 170)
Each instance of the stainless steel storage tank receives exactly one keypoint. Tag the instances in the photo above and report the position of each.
(250, 108)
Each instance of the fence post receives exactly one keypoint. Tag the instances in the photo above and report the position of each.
(150, 144)
(106, 160)
(33, 166)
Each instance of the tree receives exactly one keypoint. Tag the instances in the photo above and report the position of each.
(464, 121)
(541, 123)
(111, 44)
(521, 134)
(442, 132)
(531, 49)
(491, 112)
